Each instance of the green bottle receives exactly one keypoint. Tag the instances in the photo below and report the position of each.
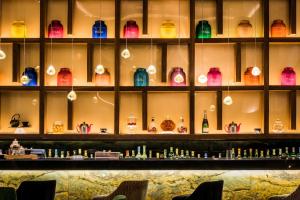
(203, 29)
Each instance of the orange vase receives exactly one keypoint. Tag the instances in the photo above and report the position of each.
(278, 28)
(249, 78)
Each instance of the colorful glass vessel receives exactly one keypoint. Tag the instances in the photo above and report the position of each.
(131, 29)
(278, 28)
(214, 77)
(177, 77)
(64, 77)
(102, 79)
(141, 77)
(99, 29)
(31, 73)
(288, 76)
(55, 29)
(168, 30)
(18, 29)
(245, 29)
(203, 29)
(249, 78)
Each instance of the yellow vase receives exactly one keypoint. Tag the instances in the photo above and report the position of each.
(18, 29)
(168, 30)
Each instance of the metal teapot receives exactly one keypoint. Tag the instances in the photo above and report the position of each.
(84, 128)
(232, 127)
(15, 120)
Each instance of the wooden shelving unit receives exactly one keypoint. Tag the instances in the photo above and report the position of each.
(192, 88)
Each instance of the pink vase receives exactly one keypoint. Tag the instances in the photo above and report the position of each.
(214, 77)
(178, 77)
(55, 29)
(131, 29)
(288, 76)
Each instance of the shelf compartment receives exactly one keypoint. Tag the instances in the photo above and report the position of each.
(172, 41)
(155, 88)
(230, 40)
(80, 40)
(79, 88)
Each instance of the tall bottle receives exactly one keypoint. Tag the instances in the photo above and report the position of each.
(205, 125)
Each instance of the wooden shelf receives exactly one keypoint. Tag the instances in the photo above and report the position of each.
(79, 88)
(19, 88)
(231, 40)
(80, 40)
(284, 40)
(155, 88)
(20, 40)
(282, 87)
(154, 41)
(225, 88)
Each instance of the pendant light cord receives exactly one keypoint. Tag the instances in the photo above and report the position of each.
(151, 38)
(202, 47)
(72, 62)
(51, 46)
(100, 38)
(255, 51)
(228, 34)
(179, 29)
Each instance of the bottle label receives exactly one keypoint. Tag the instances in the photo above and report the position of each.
(205, 130)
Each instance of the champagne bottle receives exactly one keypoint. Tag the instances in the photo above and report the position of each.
(205, 126)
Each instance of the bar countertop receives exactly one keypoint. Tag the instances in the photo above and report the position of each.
(128, 164)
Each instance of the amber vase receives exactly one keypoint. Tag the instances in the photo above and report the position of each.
(249, 78)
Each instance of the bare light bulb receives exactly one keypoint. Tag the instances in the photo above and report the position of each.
(255, 71)
(72, 96)
(125, 53)
(2, 54)
(51, 70)
(100, 69)
(25, 79)
(228, 100)
(202, 78)
(151, 69)
(178, 78)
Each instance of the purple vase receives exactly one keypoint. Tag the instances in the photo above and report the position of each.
(178, 77)
(288, 76)
(214, 77)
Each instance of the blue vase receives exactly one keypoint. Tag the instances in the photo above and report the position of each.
(99, 29)
(32, 75)
(141, 77)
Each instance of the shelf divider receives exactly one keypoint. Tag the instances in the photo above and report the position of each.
(90, 62)
(219, 14)
(16, 63)
(292, 16)
(164, 55)
(70, 114)
(145, 109)
(70, 16)
(293, 109)
(219, 110)
(266, 56)
(145, 16)
(238, 62)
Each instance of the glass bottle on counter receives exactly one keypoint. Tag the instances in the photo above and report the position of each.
(171, 153)
(203, 29)
(64, 77)
(138, 155)
(261, 154)
(144, 155)
(141, 77)
(268, 154)
(99, 29)
(187, 154)
(132, 154)
(182, 154)
(168, 29)
(55, 29)
(239, 154)
(280, 153)
(18, 29)
(274, 153)
(293, 154)
(181, 127)
(55, 153)
(131, 29)
(298, 154)
(278, 28)
(256, 153)
(177, 154)
(49, 153)
(205, 125)
(288, 76)
(245, 154)
(250, 153)
(177, 77)
(214, 77)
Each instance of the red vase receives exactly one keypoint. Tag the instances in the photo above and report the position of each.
(64, 77)
(288, 76)
(55, 29)
(178, 77)
(131, 29)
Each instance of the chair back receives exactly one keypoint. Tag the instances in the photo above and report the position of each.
(8, 193)
(133, 190)
(36, 190)
(208, 191)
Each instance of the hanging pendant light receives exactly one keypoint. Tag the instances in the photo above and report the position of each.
(72, 96)
(255, 71)
(202, 78)
(228, 100)
(100, 69)
(2, 54)
(151, 69)
(125, 53)
(24, 79)
(51, 70)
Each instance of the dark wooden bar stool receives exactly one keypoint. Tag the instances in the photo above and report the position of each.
(133, 190)
(36, 190)
(293, 196)
(205, 191)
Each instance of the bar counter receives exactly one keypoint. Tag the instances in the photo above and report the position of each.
(130, 164)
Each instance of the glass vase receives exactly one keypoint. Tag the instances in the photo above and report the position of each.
(288, 76)
(141, 77)
(278, 28)
(203, 29)
(168, 30)
(31, 73)
(177, 77)
(55, 29)
(244, 29)
(64, 77)
(131, 29)
(102, 79)
(214, 77)
(18, 29)
(99, 29)
(249, 78)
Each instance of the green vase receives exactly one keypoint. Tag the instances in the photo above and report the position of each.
(203, 29)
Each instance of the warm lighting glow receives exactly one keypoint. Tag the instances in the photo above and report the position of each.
(151, 69)
(95, 99)
(100, 69)
(72, 96)
(228, 100)
(212, 108)
(178, 78)
(25, 79)
(34, 102)
(125, 53)
(255, 71)
(51, 70)
(2, 55)
(202, 78)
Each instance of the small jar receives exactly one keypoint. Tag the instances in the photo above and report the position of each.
(58, 127)
(278, 28)
(249, 78)
(288, 76)
(18, 29)
(64, 77)
(141, 77)
(55, 29)
(99, 29)
(203, 29)
(131, 29)
(177, 77)
(168, 30)
(102, 79)
(244, 29)
(214, 77)
(31, 73)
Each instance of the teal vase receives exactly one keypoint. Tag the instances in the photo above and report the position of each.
(203, 29)
(141, 77)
